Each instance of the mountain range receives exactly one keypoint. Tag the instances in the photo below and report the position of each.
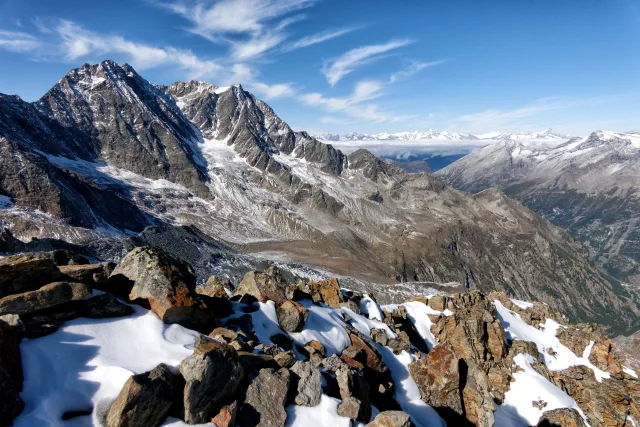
(105, 155)
(588, 186)
(430, 134)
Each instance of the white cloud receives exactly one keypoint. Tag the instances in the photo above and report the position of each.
(16, 41)
(354, 104)
(413, 68)
(318, 38)
(272, 91)
(78, 42)
(335, 69)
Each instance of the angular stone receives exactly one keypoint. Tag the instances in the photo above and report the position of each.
(476, 397)
(308, 382)
(10, 402)
(379, 336)
(227, 416)
(292, 316)
(47, 296)
(81, 273)
(212, 374)
(315, 347)
(265, 286)
(10, 359)
(354, 393)
(266, 397)
(563, 417)
(146, 399)
(438, 302)
(285, 359)
(391, 419)
(328, 291)
(438, 379)
(168, 285)
(26, 272)
(215, 287)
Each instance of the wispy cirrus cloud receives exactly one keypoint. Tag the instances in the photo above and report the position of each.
(355, 105)
(412, 69)
(336, 68)
(319, 38)
(251, 27)
(17, 41)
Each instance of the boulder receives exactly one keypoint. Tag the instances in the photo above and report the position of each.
(83, 273)
(103, 306)
(292, 316)
(146, 399)
(563, 417)
(266, 397)
(26, 272)
(265, 286)
(354, 393)
(437, 376)
(167, 284)
(308, 383)
(379, 336)
(47, 296)
(216, 287)
(408, 335)
(438, 302)
(476, 397)
(327, 291)
(285, 359)
(10, 402)
(213, 374)
(391, 419)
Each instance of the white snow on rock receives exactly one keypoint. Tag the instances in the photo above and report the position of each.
(630, 372)
(546, 341)
(527, 387)
(418, 313)
(323, 415)
(86, 362)
(370, 308)
(522, 304)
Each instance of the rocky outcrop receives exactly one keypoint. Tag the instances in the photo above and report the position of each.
(47, 296)
(26, 272)
(167, 284)
(354, 393)
(564, 417)
(213, 374)
(146, 399)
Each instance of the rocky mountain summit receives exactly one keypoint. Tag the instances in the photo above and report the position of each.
(140, 343)
(105, 156)
(588, 186)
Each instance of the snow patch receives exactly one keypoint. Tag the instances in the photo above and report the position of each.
(522, 304)
(323, 415)
(5, 202)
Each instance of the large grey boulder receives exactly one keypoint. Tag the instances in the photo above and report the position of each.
(308, 382)
(391, 419)
(168, 285)
(146, 399)
(47, 296)
(264, 286)
(264, 405)
(212, 374)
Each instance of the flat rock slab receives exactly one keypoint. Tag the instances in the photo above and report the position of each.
(25, 272)
(47, 296)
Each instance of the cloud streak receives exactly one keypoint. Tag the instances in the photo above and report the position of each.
(336, 68)
(413, 68)
(20, 42)
(319, 38)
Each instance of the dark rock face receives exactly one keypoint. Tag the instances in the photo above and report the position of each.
(47, 296)
(354, 393)
(213, 374)
(266, 397)
(146, 399)
(10, 374)
(168, 285)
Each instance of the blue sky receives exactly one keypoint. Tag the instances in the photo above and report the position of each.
(365, 66)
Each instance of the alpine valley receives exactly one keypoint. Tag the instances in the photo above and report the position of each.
(178, 255)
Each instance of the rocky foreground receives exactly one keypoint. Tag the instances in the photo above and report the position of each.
(138, 343)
